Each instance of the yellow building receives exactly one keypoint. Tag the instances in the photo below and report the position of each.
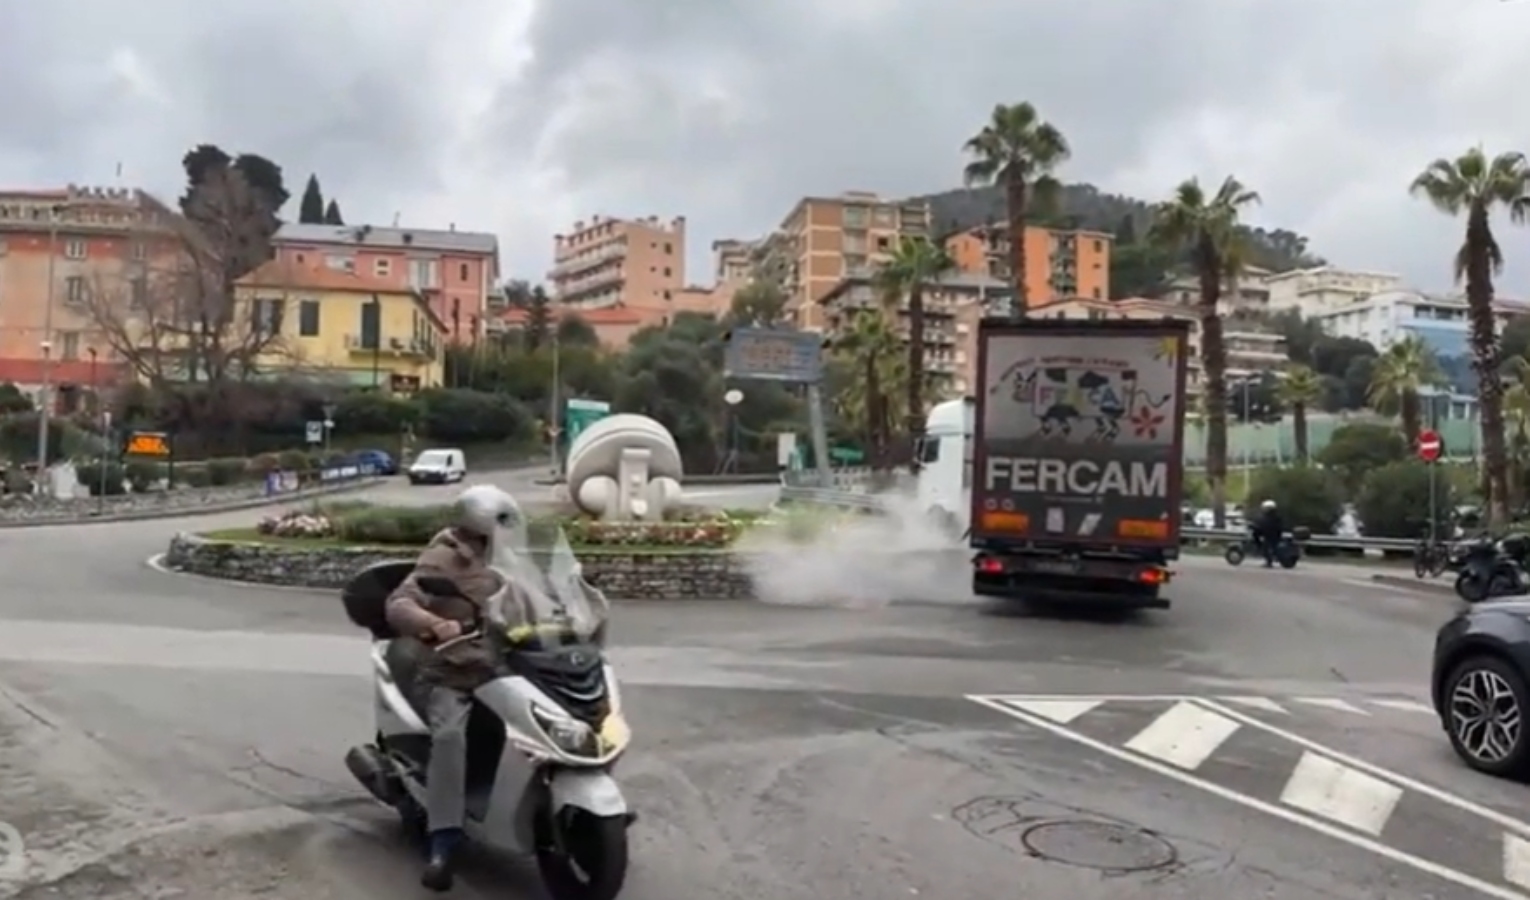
(344, 326)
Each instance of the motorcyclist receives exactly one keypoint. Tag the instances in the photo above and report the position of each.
(1269, 529)
(461, 553)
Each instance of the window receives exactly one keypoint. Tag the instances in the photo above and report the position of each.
(340, 262)
(929, 449)
(669, 248)
(266, 317)
(884, 243)
(74, 289)
(139, 251)
(69, 345)
(855, 243)
(308, 318)
(382, 268)
(75, 248)
(139, 296)
(462, 272)
(1097, 294)
(424, 274)
(371, 325)
(667, 272)
(1099, 246)
(855, 217)
(882, 217)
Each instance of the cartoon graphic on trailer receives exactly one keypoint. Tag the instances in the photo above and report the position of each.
(1085, 397)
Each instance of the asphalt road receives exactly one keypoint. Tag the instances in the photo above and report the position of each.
(162, 735)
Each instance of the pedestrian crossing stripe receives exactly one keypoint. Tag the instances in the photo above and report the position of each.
(1282, 705)
(1210, 745)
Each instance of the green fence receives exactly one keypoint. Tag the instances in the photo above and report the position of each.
(1277, 443)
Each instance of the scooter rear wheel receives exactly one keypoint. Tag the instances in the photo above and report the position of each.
(1234, 554)
(587, 857)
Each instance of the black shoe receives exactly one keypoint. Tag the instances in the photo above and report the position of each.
(439, 872)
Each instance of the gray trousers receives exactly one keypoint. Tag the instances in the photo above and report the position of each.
(446, 711)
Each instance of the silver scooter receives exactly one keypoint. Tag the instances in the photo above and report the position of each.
(543, 737)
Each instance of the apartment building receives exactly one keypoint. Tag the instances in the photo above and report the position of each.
(56, 247)
(456, 271)
(733, 267)
(1323, 288)
(1249, 353)
(1059, 264)
(613, 326)
(953, 306)
(636, 264)
(1247, 294)
(824, 241)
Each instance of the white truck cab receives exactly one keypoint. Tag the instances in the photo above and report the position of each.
(943, 488)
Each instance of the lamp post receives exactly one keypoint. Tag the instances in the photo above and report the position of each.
(95, 392)
(45, 390)
(553, 425)
(376, 304)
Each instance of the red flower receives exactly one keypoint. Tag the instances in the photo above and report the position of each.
(1145, 423)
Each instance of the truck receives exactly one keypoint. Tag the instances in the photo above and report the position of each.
(1065, 471)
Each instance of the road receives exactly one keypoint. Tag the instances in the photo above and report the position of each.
(1266, 737)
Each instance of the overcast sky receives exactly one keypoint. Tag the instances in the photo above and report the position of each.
(518, 117)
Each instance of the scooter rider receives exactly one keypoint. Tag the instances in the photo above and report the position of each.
(462, 553)
(1269, 529)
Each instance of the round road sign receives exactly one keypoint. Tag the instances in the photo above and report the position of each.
(1429, 445)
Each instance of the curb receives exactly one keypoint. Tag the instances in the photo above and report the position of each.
(694, 480)
(1421, 585)
(202, 510)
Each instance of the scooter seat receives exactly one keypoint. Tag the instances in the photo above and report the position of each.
(405, 657)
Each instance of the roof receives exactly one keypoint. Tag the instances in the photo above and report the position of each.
(1173, 310)
(972, 281)
(395, 238)
(610, 315)
(285, 276)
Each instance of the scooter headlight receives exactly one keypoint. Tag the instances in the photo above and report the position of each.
(567, 734)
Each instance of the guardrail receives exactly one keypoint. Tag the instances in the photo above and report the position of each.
(861, 501)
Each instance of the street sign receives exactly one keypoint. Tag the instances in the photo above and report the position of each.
(1429, 445)
(774, 354)
(579, 414)
(147, 443)
(314, 432)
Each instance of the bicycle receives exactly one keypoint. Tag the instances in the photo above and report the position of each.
(1430, 558)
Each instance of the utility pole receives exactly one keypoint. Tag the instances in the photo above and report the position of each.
(45, 392)
(554, 427)
(376, 342)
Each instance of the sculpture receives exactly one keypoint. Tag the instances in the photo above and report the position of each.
(624, 467)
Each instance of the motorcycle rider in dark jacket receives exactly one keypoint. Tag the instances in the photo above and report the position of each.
(1268, 530)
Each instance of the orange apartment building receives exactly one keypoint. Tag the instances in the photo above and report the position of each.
(634, 264)
(825, 240)
(1059, 264)
(85, 238)
(457, 271)
(733, 268)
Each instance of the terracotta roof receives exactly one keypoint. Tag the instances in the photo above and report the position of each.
(614, 315)
(280, 274)
(72, 371)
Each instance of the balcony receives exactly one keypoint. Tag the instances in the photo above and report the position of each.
(586, 260)
(608, 280)
(391, 346)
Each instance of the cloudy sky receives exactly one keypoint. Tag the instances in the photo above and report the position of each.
(519, 116)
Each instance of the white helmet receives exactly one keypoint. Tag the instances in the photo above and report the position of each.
(485, 510)
(1268, 504)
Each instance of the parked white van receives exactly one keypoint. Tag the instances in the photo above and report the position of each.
(439, 466)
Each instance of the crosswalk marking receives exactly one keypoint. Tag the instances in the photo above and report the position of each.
(1059, 711)
(1405, 706)
(1333, 703)
(1185, 736)
(1264, 703)
(1340, 794)
(1516, 860)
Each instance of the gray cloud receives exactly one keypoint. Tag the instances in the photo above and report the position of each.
(520, 120)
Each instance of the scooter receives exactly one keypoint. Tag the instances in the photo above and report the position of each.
(1287, 552)
(543, 737)
(1490, 568)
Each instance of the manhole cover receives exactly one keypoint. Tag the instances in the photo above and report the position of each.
(1099, 845)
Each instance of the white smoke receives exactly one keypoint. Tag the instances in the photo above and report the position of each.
(860, 562)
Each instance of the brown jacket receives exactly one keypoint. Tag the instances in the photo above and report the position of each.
(412, 611)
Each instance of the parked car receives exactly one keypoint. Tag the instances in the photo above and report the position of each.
(380, 461)
(1481, 685)
(439, 466)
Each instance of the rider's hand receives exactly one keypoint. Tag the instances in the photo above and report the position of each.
(446, 629)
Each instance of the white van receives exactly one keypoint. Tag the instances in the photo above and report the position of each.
(944, 486)
(440, 466)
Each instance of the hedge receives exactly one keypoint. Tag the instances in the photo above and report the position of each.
(145, 475)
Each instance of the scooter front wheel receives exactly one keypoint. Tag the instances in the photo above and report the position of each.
(586, 859)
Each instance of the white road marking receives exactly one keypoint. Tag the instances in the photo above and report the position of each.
(1287, 814)
(1341, 794)
(1516, 860)
(1333, 703)
(1404, 705)
(1185, 736)
(1059, 711)
(1264, 703)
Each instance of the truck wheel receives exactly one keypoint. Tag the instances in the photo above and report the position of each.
(1234, 554)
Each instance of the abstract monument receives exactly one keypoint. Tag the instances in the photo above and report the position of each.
(624, 467)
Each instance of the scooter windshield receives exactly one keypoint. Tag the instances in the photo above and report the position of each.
(545, 601)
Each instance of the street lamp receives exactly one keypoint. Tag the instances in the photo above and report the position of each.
(43, 400)
(732, 398)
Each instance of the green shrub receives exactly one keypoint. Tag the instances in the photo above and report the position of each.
(392, 525)
(1359, 448)
(463, 416)
(371, 412)
(90, 475)
(1308, 497)
(222, 472)
(299, 461)
(1394, 500)
(194, 475)
(142, 474)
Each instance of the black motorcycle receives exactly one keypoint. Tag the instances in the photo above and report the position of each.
(1492, 568)
(1287, 552)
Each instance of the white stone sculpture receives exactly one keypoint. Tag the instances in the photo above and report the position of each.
(624, 467)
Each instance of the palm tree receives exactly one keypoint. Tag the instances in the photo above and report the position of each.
(1208, 228)
(870, 348)
(1018, 151)
(1474, 185)
(915, 264)
(1300, 389)
(1516, 410)
(1399, 377)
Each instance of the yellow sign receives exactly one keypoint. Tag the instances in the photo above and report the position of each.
(147, 443)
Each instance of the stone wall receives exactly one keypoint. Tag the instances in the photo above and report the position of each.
(26, 509)
(695, 575)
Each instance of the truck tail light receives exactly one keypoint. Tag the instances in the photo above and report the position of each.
(988, 565)
(1154, 575)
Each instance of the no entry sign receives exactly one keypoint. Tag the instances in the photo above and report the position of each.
(1429, 446)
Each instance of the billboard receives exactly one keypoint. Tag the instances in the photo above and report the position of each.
(774, 354)
(1079, 432)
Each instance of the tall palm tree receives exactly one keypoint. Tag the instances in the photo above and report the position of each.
(1474, 185)
(1207, 227)
(1400, 375)
(915, 264)
(1516, 411)
(870, 348)
(1300, 389)
(1019, 152)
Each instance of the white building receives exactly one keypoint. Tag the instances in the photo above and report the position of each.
(1318, 290)
(1247, 293)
